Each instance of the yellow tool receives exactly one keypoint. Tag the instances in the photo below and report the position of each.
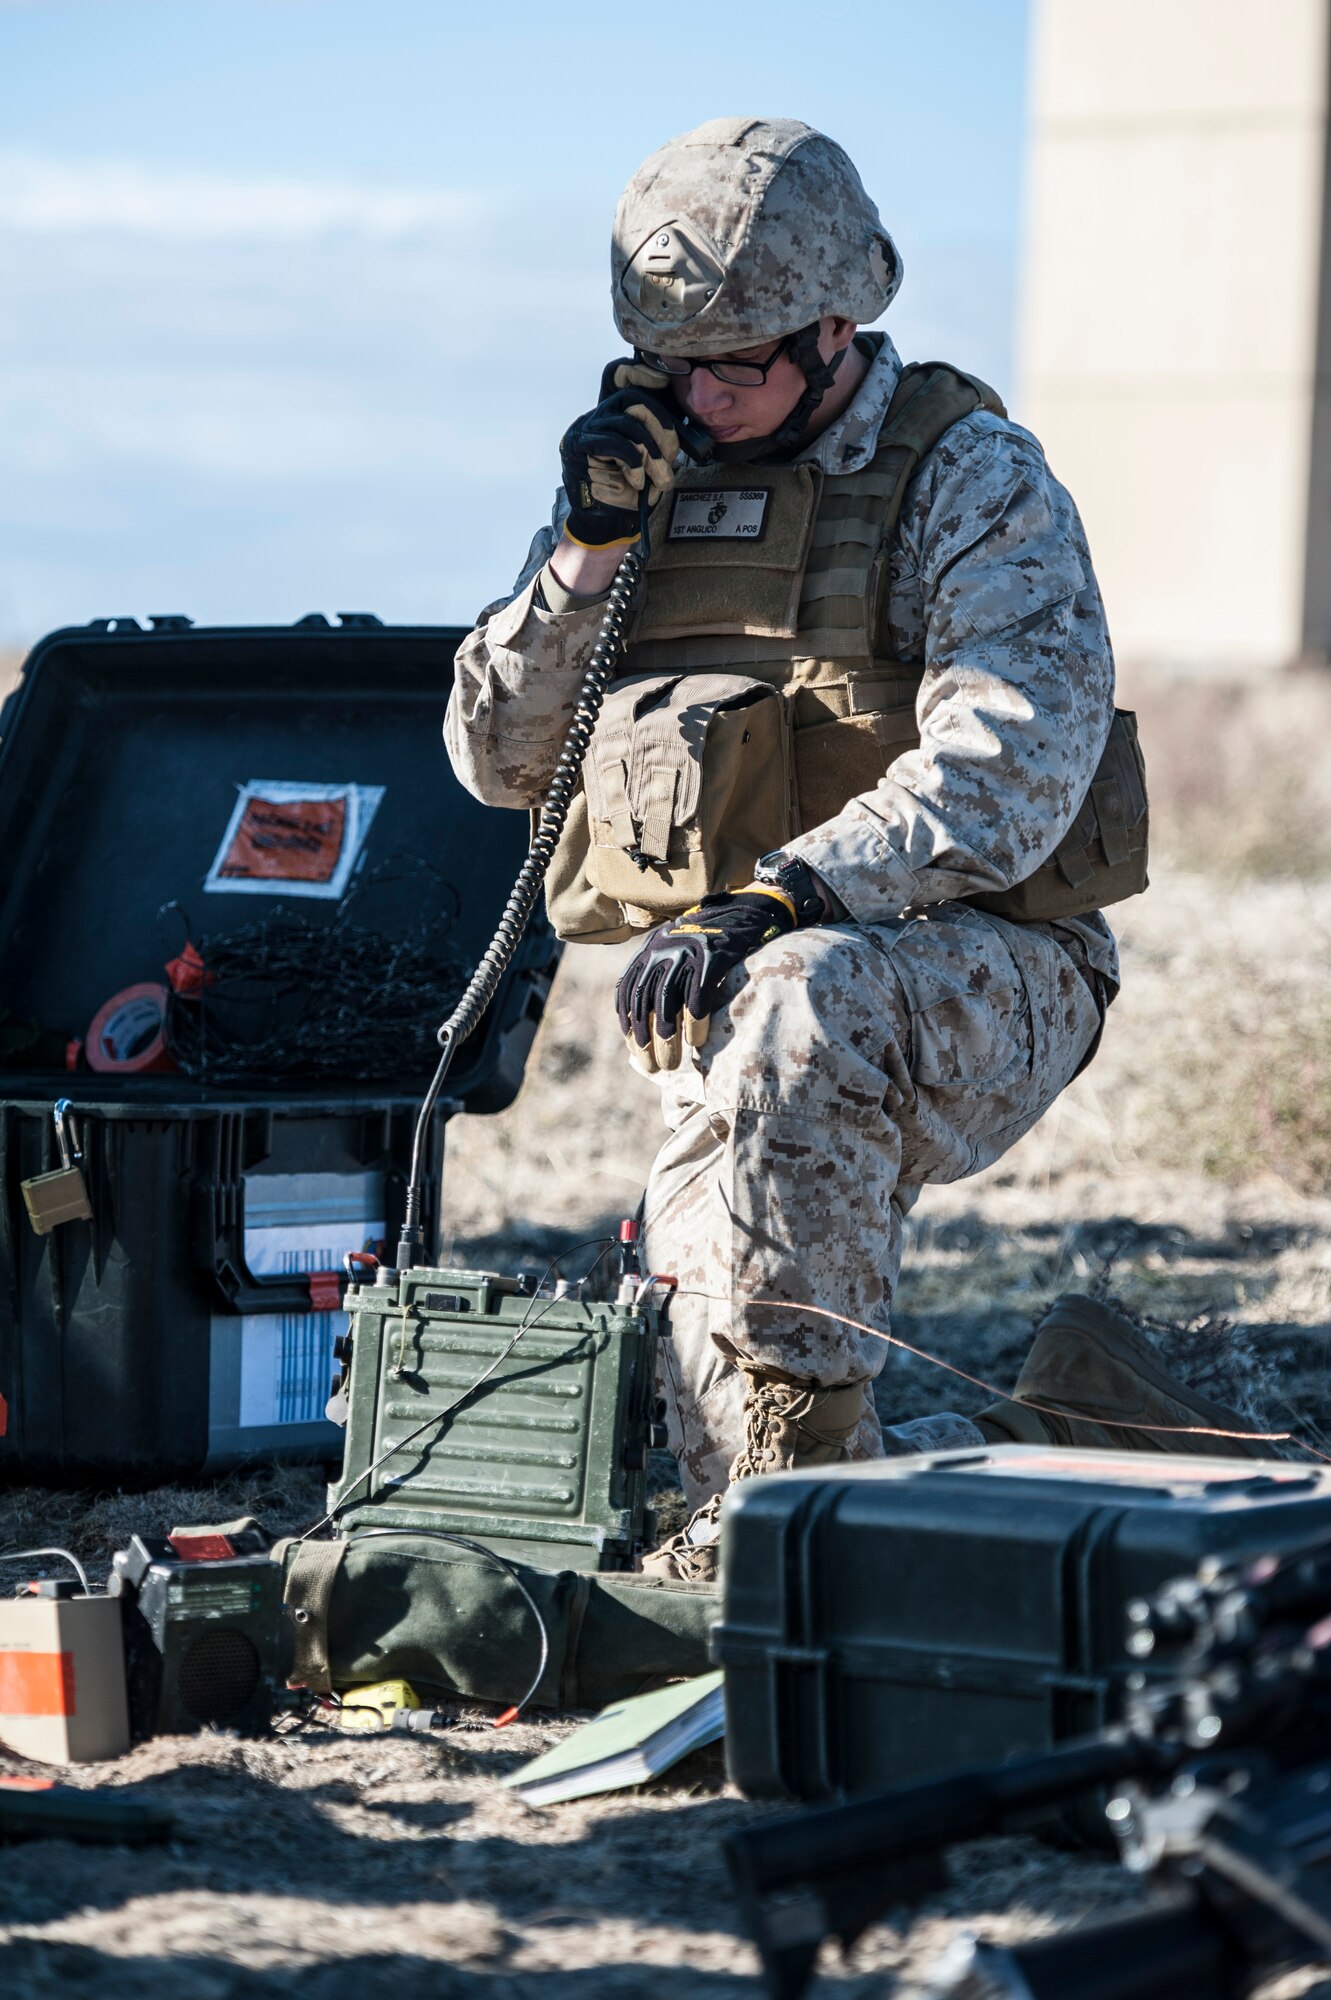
(372, 1708)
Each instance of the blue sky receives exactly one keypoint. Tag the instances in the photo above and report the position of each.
(296, 296)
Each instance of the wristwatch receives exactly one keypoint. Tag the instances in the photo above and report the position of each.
(814, 901)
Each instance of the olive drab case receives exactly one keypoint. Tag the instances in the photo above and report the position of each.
(180, 1308)
(884, 1621)
(760, 694)
(550, 1404)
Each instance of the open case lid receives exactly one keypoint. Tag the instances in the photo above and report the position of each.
(125, 755)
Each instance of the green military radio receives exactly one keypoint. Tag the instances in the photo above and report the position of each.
(478, 1405)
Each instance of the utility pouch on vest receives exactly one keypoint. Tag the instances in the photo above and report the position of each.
(847, 734)
(688, 779)
(1101, 859)
(687, 782)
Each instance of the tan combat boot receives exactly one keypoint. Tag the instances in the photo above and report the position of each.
(786, 1424)
(1112, 1390)
(694, 1554)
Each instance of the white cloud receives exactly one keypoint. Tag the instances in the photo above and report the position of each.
(59, 196)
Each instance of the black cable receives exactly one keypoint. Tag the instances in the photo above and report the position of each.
(345, 1707)
(292, 996)
(611, 642)
(510, 1569)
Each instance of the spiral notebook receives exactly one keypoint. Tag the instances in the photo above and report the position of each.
(626, 1743)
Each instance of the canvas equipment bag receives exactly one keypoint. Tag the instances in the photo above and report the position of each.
(366, 1609)
(760, 695)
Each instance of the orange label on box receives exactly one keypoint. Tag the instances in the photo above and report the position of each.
(285, 838)
(36, 1684)
(290, 840)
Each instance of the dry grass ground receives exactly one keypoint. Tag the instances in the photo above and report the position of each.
(1188, 1173)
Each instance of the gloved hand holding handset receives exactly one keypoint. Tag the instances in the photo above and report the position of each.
(627, 444)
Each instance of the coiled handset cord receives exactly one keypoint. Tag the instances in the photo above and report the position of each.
(611, 641)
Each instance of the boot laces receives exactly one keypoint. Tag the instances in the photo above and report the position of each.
(773, 1413)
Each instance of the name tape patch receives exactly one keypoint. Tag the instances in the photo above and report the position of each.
(728, 516)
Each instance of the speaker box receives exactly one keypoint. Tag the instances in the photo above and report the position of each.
(202, 1630)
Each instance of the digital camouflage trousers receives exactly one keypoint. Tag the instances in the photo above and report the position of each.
(852, 1065)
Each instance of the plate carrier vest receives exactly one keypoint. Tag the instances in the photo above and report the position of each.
(760, 696)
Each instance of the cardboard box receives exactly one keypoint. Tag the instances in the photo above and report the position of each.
(62, 1679)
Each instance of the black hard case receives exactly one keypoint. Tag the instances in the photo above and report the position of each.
(121, 751)
(881, 1622)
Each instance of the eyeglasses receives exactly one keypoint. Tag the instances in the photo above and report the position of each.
(739, 374)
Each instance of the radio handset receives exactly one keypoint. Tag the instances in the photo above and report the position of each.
(626, 373)
(696, 441)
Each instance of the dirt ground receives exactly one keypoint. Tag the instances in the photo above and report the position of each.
(1186, 1174)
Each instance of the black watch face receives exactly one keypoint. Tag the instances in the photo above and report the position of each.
(774, 862)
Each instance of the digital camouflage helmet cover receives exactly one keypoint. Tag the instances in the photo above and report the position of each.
(743, 231)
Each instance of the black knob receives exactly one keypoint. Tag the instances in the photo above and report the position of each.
(658, 1437)
(342, 1347)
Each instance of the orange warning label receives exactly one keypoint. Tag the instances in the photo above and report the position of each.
(36, 1684)
(291, 840)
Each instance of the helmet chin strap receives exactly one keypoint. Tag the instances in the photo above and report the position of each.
(782, 443)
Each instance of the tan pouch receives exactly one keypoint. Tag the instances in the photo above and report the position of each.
(847, 735)
(577, 909)
(1102, 857)
(687, 782)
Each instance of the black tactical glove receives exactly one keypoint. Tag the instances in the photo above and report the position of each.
(629, 442)
(677, 976)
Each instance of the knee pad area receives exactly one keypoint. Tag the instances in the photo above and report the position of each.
(818, 1014)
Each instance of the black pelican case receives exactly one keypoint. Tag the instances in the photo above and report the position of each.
(190, 1322)
(886, 1621)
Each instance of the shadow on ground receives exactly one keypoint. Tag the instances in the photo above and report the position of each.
(55, 1972)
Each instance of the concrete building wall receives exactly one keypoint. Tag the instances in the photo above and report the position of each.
(1173, 316)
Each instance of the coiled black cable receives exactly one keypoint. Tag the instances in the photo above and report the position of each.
(611, 641)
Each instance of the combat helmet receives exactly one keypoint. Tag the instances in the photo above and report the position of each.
(747, 230)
